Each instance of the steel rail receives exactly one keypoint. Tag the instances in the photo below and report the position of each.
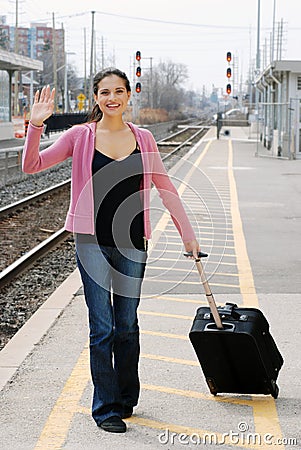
(30, 257)
(9, 209)
(183, 144)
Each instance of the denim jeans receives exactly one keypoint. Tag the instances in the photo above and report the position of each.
(112, 281)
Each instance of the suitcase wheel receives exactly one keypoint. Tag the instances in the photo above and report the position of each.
(212, 386)
(275, 391)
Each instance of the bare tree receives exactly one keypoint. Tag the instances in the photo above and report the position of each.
(172, 74)
(165, 87)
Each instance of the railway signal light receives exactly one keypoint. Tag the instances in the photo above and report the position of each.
(228, 89)
(229, 73)
(229, 57)
(138, 71)
(138, 56)
(138, 87)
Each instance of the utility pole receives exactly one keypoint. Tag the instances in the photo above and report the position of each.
(273, 33)
(16, 48)
(102, 53)
(258, 38)
(257, 68)
(151, 83)
(91, 63)
(85, 69)
(54, 61)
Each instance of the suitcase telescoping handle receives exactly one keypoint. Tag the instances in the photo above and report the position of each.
(209, 295)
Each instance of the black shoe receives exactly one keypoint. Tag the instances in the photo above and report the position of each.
(127, 412)
(113, 424)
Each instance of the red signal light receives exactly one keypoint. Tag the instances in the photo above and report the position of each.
(229, 73)
(138, 56)
(138, 87)
(228, 89)
(138, 71)
(229, 56)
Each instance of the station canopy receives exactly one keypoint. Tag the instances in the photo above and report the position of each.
(12, 61)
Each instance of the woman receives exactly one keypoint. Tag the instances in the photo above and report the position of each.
(114, 165)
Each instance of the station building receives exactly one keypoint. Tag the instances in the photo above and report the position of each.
(279, 108)
(9, 63)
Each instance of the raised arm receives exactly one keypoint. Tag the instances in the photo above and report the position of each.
(43, 106)
(32, 159)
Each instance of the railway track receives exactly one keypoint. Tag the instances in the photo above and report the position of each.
(42, 209)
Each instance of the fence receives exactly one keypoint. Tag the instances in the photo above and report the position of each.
(61, 122)
(277, 128)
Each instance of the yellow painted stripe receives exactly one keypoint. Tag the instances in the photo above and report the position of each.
(177, 269)
(189, 283)
(266, 418)
(185, 362)
(224, 255)
(168, 250)
(167, 335)
(196, 394)
(179, 243)
(56, 428)
(264, 411)
(246, 280)
(181, 300)
(170, 230)
(159, 314)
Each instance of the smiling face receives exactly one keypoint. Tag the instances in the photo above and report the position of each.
(112, 96)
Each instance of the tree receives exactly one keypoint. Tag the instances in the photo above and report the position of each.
(164, 85)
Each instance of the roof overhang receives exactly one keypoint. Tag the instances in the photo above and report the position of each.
(11, 61)
(277, 67)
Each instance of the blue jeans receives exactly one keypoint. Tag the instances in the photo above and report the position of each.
(112, 280)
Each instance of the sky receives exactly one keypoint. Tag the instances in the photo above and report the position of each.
(197, 33)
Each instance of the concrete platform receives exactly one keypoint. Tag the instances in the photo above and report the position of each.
(246, 211)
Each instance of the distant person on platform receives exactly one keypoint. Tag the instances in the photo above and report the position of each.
(219, 123)
(114, 166)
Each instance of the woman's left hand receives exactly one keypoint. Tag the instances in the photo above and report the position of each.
(194, 247)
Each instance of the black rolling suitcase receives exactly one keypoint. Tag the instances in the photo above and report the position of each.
(234, 347)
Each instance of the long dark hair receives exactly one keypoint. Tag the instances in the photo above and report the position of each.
(96, 113)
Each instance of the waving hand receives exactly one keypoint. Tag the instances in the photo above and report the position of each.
(43, 106)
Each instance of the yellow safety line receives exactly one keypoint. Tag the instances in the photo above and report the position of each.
(196, 394)
(185, 362)
(265, 412)
(208, 262)
(246, 280)
(167, 335)
(176, 269)
(57, 425)
(228, 247)
(179, 299)
(202, 228)
(192, 283)
(171, 316)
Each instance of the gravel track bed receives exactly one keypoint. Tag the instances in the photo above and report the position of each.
(21, 298)
(23, 230)
(31, 184)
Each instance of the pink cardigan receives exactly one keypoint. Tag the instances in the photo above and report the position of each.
(78, 142)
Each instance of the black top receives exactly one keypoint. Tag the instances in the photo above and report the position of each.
(118, 205)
